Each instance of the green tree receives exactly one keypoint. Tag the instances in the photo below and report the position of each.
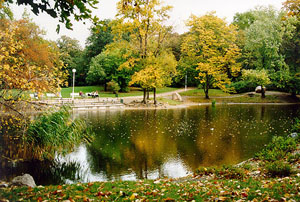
(262, 45)
(5, 12)
(258, 77)
(291, 44)
(211, 45)
(263, 39)
(105, 67)
(64, 10)
(70, 53)
(100, 36)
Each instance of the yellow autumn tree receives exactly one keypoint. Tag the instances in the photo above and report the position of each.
(140, 26)
(156, 73)
(28, 63)
(211, 44)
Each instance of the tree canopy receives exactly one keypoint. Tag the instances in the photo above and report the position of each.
(210, 45)
(64, 10)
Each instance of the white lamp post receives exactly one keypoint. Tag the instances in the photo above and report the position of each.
(185, 83)
(73, 70)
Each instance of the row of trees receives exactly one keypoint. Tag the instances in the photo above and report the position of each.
(260, 47)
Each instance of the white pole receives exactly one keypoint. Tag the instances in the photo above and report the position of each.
(185, 86)
(73, 70)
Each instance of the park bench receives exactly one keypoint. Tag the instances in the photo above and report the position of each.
(51, 95)
(75, 95)
(32, 96)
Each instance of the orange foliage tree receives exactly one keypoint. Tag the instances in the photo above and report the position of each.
(28, 63)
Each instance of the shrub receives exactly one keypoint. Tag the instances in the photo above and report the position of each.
(205, 171)
(293, 158)
(113, 86)
(242, 86)
(54, 131)
(296, 126)
(231, 172)
(278, 169)
(277, 149)
(227, 172)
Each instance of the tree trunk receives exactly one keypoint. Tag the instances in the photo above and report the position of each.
(263, 93)
(206, 93)
(144, 97)
(206, 87)
(154, 96)
(148, 94)
(105, 86)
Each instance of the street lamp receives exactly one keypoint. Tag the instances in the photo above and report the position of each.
(185, 83)
(73, 70)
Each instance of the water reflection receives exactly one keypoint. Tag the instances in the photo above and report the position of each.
(139, 144)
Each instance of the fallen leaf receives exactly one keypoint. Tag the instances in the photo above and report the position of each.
(133, 196)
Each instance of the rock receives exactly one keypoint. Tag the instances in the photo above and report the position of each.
(176, 96)
(25, 180)
(258, 89)
(3, 185)
(294, 135)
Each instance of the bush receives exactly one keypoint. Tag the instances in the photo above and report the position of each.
(278, 169)
(231, 172)
(296, 126)
(113, 86)
(293, 158)
(242, 86)
(227, 172)
(277, 149)
(54, 131)
(205, 171)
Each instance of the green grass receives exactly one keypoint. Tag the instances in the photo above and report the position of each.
(162, 190)
(65, 92)
(168, 101)
(200, 92)
(242, 99)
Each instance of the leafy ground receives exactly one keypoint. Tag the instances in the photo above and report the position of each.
(280, 189)
(254, 180)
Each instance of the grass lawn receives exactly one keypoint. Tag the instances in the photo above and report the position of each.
(247, 99)
(65, 92)
(200, 92)
(168, 101)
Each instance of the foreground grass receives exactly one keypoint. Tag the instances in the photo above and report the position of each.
(162, 190)
(229, 183)
(65, 92)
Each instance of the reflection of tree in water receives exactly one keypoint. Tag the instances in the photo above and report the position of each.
(137, 146)
(44, 172)
(142, 141)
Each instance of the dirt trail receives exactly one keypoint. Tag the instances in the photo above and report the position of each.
(165, 95)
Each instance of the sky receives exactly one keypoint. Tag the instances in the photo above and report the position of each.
(182, 10)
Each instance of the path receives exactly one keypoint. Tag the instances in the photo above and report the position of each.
(166, 94)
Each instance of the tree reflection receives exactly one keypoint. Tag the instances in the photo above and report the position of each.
(143, 143)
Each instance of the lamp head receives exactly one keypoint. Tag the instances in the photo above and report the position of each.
(73, 70)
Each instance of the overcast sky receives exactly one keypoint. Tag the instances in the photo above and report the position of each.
(181, 11)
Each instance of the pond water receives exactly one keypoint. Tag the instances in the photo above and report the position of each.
(139, 144)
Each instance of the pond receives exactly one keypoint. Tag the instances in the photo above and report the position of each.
(140, 144)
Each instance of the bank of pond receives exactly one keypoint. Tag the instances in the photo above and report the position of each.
(131, 145)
